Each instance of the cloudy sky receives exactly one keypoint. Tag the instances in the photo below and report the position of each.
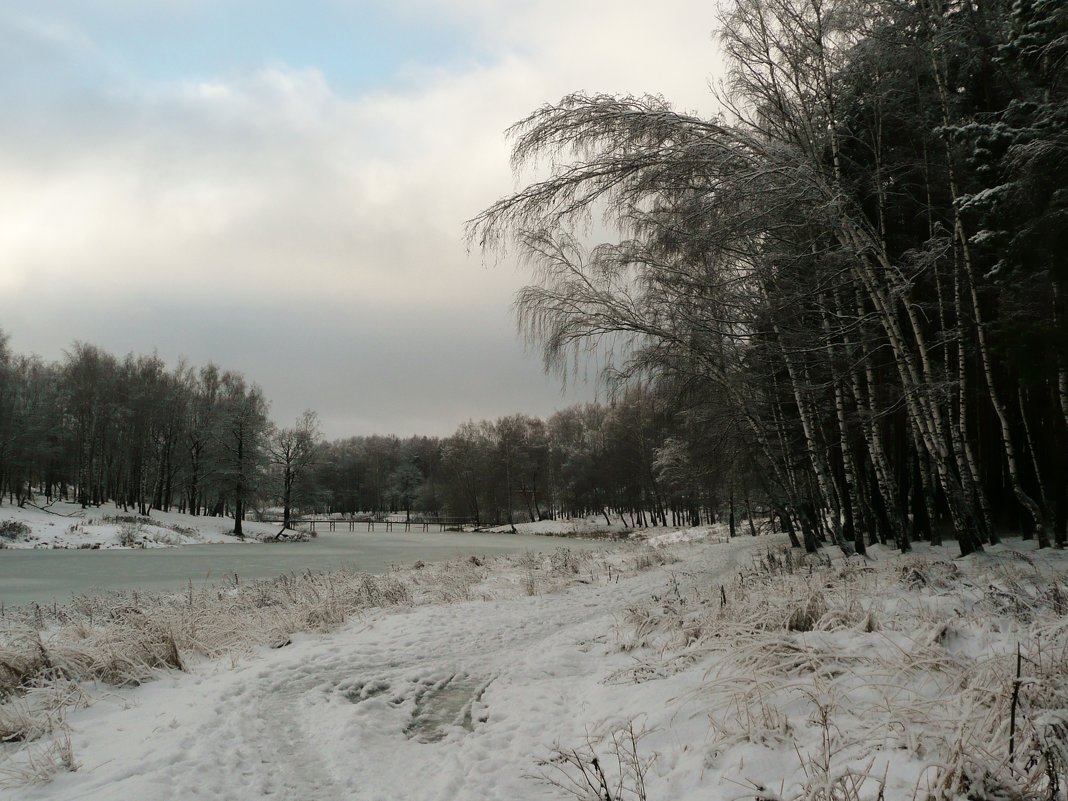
(281, 187)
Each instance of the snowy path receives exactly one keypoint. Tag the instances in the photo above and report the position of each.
(449, 701)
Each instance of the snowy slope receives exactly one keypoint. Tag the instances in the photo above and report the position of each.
(741, 670)
(67, 525)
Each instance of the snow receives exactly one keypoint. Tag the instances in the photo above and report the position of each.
(594, 526)
(565, 527)
(697, 670)
(712, 533)
(67, 525)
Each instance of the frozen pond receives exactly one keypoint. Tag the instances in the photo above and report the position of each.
(44, 576)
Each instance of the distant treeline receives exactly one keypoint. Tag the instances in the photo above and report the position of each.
(619, 460)
(95, 428)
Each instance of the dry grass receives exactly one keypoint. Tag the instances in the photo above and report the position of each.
(649, 557)
(604, 768)
(40, 763)
(126, 638)
(47, 655)
(860, 668)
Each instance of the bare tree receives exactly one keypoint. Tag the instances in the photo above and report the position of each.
(293, 452)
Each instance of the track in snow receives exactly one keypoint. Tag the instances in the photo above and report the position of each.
(440, 702)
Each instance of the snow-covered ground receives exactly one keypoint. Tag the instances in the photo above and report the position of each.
(565, 527)
(67, 525)
(697, 670)
(595, 527)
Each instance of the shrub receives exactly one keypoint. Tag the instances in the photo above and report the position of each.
(130, 534)
(13, 530)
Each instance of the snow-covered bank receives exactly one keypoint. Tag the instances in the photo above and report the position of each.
(696, 671)
(566, 527)
(596, 527)
(67, 525)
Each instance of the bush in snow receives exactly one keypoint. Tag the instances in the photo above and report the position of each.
(131, 534)
(13, 530)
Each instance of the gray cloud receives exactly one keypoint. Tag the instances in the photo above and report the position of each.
(310, 239)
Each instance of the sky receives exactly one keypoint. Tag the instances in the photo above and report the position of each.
(281, 187)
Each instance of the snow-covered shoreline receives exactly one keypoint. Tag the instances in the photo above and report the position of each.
(696, 670)
(64, 525)
(67, 525)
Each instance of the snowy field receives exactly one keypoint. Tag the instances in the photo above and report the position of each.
(691, 670)
(67, 525)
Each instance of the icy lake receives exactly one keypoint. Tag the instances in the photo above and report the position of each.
(47, 575)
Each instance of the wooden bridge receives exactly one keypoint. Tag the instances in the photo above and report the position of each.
(352, 523)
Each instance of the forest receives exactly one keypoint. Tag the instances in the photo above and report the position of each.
(855, 272)
(841, 302)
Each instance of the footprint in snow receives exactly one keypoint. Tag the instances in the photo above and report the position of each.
(443, 705)
(361, 691)
(439, 705)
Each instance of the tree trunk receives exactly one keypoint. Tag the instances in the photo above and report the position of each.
(731, 532)
(849, 496)
(1009, 449)
(816, 459)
